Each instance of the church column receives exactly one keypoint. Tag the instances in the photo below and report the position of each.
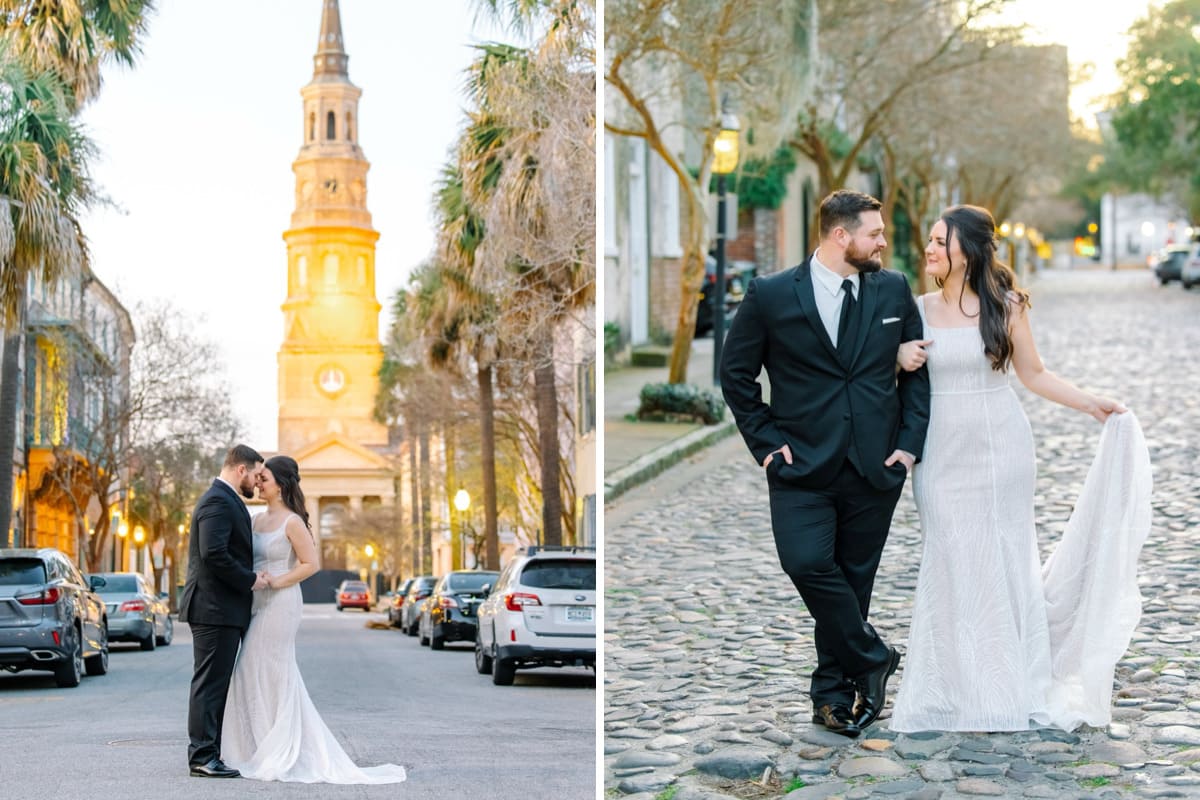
(356, 505)
(313, 506)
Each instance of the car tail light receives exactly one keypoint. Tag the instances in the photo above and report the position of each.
(57, 638)
(518, 600)
(46, 597)
(448, 602)
(133, 605)
(420, 597)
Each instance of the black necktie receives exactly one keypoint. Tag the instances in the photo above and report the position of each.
(845, 326)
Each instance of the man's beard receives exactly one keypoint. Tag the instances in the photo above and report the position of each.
(861, 262)
(247, 492)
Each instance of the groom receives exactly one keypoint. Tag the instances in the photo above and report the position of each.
(216, 602)
(838, 439)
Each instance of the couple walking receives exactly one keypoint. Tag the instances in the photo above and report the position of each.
(868, 383)
(242, 600)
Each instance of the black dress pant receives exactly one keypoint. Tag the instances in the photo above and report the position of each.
(829, 543)
(214, 651)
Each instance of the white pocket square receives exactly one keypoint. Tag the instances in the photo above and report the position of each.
(890, 320)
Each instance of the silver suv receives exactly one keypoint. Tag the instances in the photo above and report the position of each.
(540, 613)
(50, 619)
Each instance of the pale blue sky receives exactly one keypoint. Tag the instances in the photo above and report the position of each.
(197, 144)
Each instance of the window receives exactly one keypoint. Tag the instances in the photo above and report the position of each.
(560, 573)
(22, 571)
(349, 129)
(312, 125)
(469, 582)
(585, 400)
(330, 122)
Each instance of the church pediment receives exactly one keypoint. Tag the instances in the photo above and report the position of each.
(335, 452)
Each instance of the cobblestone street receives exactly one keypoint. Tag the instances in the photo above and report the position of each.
(708, 647)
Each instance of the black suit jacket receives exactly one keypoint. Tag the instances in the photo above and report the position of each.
(220, 576)
(824, 410)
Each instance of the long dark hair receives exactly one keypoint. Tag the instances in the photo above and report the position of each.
(286, 472)
(994, 281)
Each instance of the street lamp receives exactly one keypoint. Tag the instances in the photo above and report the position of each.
(725, 158)
(462, 502)
(139, 537)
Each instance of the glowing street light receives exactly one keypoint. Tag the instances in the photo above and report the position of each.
(462, 500)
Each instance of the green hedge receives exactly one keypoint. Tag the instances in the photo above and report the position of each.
(680, 399)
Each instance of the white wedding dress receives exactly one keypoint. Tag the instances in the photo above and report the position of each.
(997, 641)
(272, 730)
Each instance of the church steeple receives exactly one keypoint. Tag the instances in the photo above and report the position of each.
(330, 357)
(330, 63)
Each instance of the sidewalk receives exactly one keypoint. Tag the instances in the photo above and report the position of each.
(634, 452)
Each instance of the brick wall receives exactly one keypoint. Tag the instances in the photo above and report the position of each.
(664, 297)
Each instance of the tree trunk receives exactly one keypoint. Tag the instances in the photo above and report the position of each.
(691, 278)
(426, 503)
(487, 433)
(414, 503)
(546, 398)
(10, 389)
(457, 532)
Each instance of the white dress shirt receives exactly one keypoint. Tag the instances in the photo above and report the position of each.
(827, 289)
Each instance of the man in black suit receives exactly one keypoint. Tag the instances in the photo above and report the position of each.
(216, 602)
(837, 440)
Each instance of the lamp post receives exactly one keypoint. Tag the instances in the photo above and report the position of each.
(139, 538)
(725, 158)
(369, 552)
(123, 548)
(462, 502)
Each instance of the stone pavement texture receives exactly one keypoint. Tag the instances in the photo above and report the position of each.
(708, 648)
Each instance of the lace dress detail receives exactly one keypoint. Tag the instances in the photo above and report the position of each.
(985, 651)
(272, 730)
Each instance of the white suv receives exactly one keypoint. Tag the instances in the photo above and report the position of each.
(540, 613)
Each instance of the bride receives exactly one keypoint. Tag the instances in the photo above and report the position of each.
(999, 642)
(272, 731)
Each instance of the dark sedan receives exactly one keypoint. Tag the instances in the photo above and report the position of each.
(395, 604)
(135, 612)
(1168, 263)
(410, 612)
(49, 617)
(449, 613)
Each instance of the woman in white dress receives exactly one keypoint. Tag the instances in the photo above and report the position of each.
(272, 730)
(995, 644)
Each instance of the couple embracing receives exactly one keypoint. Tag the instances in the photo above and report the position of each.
(868, 385)
(242, 599)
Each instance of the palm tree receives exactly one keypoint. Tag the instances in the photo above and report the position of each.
(49, 67)
(528, 165)
(43, 186)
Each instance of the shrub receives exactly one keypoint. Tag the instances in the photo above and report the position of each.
(681, 400)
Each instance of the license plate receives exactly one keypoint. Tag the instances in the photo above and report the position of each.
(579, 613)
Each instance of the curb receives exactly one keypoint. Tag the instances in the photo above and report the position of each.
(645, 467)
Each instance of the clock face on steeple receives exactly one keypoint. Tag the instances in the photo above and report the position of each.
(331, 185)
(331, 380)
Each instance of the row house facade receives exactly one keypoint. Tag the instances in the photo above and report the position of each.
(75, 378)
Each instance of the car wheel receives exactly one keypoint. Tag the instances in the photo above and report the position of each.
(168, 632)
(483, 661)
(150, 640)
(339, 607)
(421, 636)
(70, 672)
(503, 672)
(437, 642)
(410, 629)
(98, 664)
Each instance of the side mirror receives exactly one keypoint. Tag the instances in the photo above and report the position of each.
(96, 582)
(487, 589)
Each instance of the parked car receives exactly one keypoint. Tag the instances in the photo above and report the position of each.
(136, 613)
(418, 592)
(735, 290)
(540, 613)
(50, 619)
(352, 594)
(1168, 263)
(448, 614)
(1189, 274)
(396, 603)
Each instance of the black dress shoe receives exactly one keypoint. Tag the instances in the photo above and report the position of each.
(872, 689)
(837, 719)
(214, 769)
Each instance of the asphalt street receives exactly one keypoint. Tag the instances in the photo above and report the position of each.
(386, 698)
